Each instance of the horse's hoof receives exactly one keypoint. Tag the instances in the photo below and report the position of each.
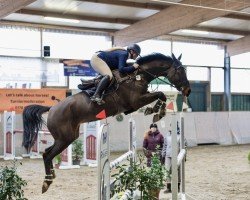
(156, 118)
(46, 184)
(148, 111)
(45, 187)
(157, 106)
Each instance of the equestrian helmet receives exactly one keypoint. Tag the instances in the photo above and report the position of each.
(134, 47)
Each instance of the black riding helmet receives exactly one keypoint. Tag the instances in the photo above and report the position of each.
(134, 47)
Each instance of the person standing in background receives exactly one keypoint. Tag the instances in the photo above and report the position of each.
(152, 143)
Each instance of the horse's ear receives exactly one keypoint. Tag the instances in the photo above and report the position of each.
(173, 56)
(179, 58)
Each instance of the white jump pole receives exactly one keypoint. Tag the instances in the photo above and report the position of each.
(174, 166)
(104, 164)
(178, 159)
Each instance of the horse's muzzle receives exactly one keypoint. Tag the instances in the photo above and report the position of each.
(186, 91)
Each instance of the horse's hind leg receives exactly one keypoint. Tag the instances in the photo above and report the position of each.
(48, 156)
(52, 171)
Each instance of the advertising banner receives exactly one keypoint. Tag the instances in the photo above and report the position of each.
(78, 68)
(17, 99)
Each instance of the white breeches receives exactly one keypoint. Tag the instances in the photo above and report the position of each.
(100, 66)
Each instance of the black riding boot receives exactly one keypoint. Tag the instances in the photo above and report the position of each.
(97, 97)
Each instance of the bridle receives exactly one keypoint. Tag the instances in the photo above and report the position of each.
(157, 77)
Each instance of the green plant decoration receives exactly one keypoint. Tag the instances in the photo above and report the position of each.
(11, 184)
(77, 150)
(147, 180)
(248, 157)
(58, 159)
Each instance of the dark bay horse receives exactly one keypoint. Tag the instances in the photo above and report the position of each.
(65, 118)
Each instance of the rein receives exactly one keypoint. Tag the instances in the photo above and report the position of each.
(155, 77)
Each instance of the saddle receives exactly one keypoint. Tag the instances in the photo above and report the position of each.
(89, 86)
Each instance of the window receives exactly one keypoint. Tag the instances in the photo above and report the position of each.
(16, 41)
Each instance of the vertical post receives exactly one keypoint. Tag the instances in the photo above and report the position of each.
(174, 166)
(103, 163)
(9, 143)
(208, 91)
(132, 139)
(90, 139)
(182, 167)
(227, 82)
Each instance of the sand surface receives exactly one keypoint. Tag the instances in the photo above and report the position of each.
(212, 173)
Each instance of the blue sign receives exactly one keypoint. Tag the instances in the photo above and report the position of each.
(78, 68)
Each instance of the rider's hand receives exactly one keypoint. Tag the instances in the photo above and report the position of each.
(135, 65)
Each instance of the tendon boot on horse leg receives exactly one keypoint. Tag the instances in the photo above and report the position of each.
(97, 97)
(48, 177)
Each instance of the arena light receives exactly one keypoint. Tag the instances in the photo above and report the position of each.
(57, 19)
(194, 32)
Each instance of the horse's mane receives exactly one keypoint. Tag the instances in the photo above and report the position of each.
(152, 57)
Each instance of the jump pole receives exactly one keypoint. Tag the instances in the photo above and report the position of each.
(104, 164)
(178, 159)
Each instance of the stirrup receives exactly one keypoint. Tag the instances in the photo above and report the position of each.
(98, 100)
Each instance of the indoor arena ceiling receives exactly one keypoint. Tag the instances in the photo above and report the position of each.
(137, 20)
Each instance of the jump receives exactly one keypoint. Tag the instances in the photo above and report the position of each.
(128, 95)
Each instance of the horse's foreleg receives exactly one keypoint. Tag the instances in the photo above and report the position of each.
(154, 109)
(149, 98)
(161, 114)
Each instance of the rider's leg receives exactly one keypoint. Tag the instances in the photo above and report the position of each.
(97, 97)
(100, 66)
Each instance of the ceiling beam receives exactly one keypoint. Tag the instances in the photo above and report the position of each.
(239, 46)
(7, 7)
(238, 16)
(172, 19)
(57, 27)
(220, 30)
(77, 17)
(151, 6)
(173, 37)
(108, 32)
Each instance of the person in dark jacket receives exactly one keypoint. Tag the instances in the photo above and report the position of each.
(152, 143)
(115, 58)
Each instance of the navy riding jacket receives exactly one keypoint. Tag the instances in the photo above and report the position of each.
(116, 60)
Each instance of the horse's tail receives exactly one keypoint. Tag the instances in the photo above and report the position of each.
(32, 122)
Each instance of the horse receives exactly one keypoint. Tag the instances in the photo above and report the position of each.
(132, 93)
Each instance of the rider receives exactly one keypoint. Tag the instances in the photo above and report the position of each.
(115, 58)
